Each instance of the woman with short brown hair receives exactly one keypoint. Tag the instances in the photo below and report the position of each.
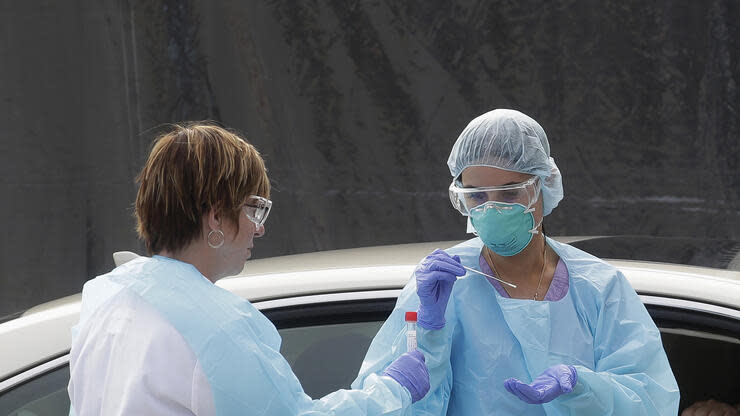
(156, 336)
(196, 183)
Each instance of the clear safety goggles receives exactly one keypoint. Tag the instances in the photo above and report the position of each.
(465, 199)
(257, 209)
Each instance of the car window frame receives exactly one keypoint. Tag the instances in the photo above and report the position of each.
(30, 374)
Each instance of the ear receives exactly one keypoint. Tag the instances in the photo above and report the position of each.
(213, 219)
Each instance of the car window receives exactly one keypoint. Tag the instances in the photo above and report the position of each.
(44, 395)
(705, 365)
(704, 352)
(325, 343)
(326, 358)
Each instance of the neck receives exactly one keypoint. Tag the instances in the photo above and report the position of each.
(194, 256)
(522, 267)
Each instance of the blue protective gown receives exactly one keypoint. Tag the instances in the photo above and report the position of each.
(600, 326)
(236, 345)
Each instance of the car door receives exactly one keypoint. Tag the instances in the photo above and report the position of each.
(325, 338)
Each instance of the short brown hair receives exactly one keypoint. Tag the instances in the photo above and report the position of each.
(191, 169)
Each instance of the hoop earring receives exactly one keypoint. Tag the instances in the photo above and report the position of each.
(219, 238)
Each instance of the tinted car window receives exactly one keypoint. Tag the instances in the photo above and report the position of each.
(325, 343)
(45, 395)
(705, 367)
(327, 358)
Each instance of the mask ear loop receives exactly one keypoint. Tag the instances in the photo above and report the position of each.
(532, 209)
(536, 226)
(470, 229)
(469, 226)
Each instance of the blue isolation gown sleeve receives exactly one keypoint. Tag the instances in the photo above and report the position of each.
(632, 375)
(390, 342)
(377, 396)
(248, 375)
(271, 388)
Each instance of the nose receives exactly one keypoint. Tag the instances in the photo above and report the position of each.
(260, 231)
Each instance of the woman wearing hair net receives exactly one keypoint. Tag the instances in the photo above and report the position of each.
(560, 333)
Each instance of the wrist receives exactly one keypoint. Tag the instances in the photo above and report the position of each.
(429, 320)
(406, 383)
(574, 373)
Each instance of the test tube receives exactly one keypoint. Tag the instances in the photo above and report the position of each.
(410, 331)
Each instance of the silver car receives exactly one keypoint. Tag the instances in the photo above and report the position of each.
(331, 304)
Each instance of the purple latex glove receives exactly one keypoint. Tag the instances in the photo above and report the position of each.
(410, 371)
(434, 279)
(556, 380)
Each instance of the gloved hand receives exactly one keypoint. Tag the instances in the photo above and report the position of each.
(434, 279)
(556, 380)
(410, 371)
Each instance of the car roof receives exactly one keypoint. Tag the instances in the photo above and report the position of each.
(384, 267)
(386, 255)
(390, 266)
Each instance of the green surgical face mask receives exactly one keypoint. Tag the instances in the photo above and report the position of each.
(505, 228)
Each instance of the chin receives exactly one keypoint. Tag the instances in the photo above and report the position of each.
(239, 268)
(232, 272)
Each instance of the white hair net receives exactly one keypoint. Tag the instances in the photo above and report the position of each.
(509, 140)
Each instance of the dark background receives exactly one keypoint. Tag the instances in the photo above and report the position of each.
(355, 106)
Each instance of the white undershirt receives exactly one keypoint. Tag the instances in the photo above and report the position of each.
(127, 359)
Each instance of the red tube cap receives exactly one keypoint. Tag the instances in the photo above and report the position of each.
(410, 316)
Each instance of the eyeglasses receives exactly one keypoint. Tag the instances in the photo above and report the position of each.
(465, 199)
(257, 209)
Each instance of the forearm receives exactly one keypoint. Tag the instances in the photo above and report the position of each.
(436, 345)
(390, 342)
(378, 395)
